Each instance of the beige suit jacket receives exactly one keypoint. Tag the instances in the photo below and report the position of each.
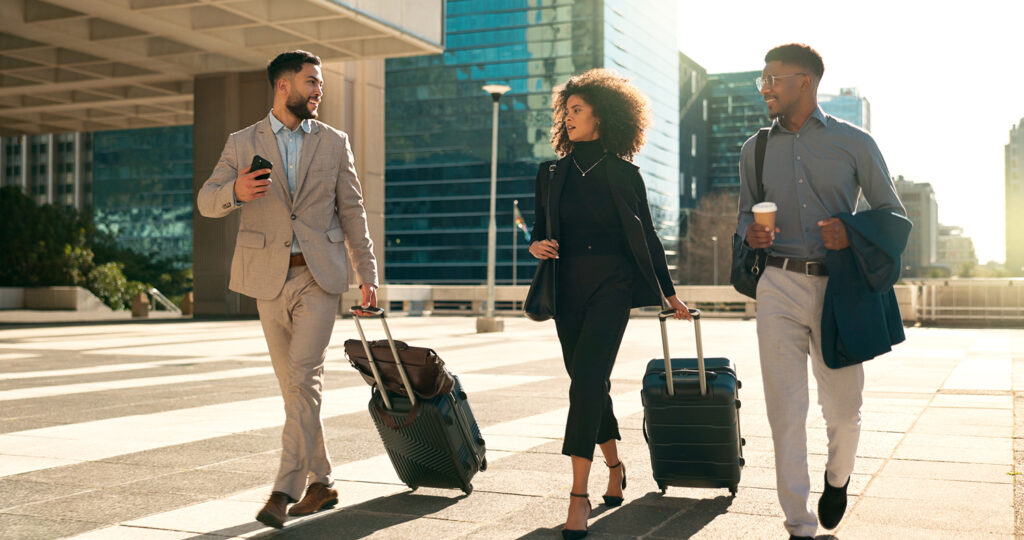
(326, 213)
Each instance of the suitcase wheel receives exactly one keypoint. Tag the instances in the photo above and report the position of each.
(468, 489)
(462, 395)
(737, 404)
(483, 465)
(733, 489)
(739, 385)
(743, 442)
(742, 462)
(480, 441)
(663, 488)
(413, 488)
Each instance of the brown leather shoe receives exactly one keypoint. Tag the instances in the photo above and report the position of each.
(318, 497)
(273, 513)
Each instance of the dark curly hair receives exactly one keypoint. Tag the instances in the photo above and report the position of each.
(622, 109)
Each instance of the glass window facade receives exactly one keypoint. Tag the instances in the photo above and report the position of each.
(438, 132)
(143, 190)
(735, 112)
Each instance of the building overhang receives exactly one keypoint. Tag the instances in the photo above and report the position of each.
(93, 65)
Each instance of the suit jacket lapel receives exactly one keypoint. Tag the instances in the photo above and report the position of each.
(266, 146)
(555, 194)
(309, 143)
(619, 174)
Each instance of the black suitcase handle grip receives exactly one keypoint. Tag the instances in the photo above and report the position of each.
(669, 313)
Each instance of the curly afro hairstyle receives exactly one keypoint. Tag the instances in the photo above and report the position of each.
(622, 109)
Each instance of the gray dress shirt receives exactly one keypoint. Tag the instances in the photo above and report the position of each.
(811, 175)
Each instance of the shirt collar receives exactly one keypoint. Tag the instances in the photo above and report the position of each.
(818, 114)
(276, 124)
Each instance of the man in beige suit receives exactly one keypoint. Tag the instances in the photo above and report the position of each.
(300, 230)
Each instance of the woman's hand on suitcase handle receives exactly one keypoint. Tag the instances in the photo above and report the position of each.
(545, 249)
(682, 312)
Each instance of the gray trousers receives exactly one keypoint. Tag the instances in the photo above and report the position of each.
(789, 306)
(298, 325)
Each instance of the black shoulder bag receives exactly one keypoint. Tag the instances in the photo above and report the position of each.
(540, 300)
(747, 262)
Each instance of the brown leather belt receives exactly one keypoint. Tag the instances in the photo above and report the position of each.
(296, 260)
(810, 268)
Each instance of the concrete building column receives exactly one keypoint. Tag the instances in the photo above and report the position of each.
(226, 102)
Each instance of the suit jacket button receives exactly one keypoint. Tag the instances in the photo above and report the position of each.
(293, 217)
(227, 205)
(288, 244)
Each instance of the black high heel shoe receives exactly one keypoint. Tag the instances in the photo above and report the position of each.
(576, 534)
(616, 501)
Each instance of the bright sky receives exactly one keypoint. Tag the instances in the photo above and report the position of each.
(944, 80)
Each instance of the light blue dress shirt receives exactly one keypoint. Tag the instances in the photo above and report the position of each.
(813, 174)
(289, 145)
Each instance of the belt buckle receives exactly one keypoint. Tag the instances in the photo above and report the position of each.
(807, 267)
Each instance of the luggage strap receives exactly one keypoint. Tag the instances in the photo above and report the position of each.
(385, 416)
(376, 312)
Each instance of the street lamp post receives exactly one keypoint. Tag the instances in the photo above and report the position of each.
(489, 323)
(714, 242)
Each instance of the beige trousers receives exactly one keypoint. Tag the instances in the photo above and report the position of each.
(297, 325)
(789, 307)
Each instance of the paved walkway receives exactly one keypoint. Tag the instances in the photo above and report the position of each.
(171, 430)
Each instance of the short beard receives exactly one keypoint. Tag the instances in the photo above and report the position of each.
(299, 108)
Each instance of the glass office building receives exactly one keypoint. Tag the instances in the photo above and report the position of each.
(849, 106)
(438, 133)
(736, 111)
(143, 190)
(50, 168)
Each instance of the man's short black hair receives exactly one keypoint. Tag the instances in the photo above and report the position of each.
(797, 54)
(290, 61)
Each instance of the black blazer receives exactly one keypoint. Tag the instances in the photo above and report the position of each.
(630, 196)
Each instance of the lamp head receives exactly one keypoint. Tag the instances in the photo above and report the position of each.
(496, 90)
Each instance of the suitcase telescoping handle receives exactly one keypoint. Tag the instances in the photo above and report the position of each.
(375, 313)
(666, 314)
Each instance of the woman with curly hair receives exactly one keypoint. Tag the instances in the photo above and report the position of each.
(610, 260)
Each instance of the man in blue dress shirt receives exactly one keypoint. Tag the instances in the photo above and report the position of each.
(815, 167)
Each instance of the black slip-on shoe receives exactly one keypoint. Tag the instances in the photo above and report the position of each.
(832, 504)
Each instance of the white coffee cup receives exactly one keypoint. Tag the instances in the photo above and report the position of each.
(764, 214)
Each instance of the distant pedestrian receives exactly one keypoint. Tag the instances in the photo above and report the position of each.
(301, 231)
(610, 260)
(815, 168)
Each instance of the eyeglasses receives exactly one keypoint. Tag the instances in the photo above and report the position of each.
(770, 80)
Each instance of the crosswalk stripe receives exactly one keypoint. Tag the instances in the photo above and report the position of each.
(360, 481)
(42, 448)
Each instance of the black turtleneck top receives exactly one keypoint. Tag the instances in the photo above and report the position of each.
(589, 221)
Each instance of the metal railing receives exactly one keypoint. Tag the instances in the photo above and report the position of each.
(159, 298)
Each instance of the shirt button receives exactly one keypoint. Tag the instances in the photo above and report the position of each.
(288, 244)
(293, 215)
(805, 206)
(797, 135)
(800, 181)
(798, 158)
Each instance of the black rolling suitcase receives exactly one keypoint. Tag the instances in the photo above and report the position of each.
(691, 419)
(431, 442)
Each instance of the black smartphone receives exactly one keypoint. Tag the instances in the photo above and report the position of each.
(258, 162)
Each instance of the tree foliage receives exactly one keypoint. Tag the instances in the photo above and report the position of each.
(713, 218)
(45, 245)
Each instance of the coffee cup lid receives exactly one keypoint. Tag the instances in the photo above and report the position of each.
(765, 207)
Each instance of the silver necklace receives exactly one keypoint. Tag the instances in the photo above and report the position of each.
(584, 173)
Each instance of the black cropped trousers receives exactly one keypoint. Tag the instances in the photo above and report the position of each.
(594, 297)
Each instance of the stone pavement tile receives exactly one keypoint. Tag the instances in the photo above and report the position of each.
(531, 461)
(175, 457)
(943, 491)
(350, 524)
(983, 517)
(200, 482)
(964, 472)
(972, 401)
(970, 445)
(124, 532)
(519, 482)
(94, 474)
(449, 504)
(264, 463)
(16, 464)
(106, 506)
(918, 452)
(16, 491)
(965, 416)
(225, 517)
(757, 501)
(736, 526)
(692, 517)
(859, 530)
(18, 527)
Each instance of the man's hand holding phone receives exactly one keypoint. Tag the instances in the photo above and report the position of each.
(254, 181)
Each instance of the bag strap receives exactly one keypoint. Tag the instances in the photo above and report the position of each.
(760, 147)
(547, 197)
